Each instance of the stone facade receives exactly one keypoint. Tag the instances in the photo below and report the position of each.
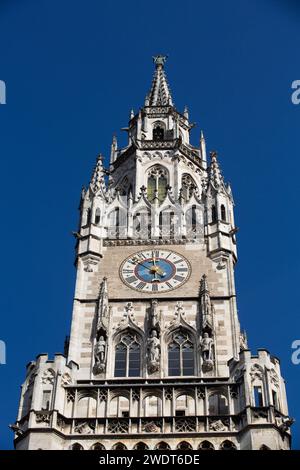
(156, 357)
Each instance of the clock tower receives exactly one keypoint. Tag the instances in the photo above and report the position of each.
(156, 358)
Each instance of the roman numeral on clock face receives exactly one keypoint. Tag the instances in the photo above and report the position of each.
(154, 287)
(178, 278)
(141, 285)
(131, 279)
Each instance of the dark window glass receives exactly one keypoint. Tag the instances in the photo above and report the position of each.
(213, 214)
(181, 355)
(258, 397)
(127, 357)
(158, 133)
(223, 213)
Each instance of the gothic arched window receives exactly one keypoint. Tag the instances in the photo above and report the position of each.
(184, 446)
(213, 214)
(227, 445)
(167, 224)
(217, 404)
(128, 356)
(98, 446)
(206, 445)
(119, 446)
(158, 132)
(157, 183)
(97, 216)
(181, 355)
(223, 213)
(162, 446)
(76, 446)
(141, 446)
(188, 185)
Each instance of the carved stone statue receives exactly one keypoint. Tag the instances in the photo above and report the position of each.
(154, 351)
(206, 347)
(100, 354)
(154, 322)
(243, 341)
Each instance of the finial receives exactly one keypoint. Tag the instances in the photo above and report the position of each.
(159, 60)
(131, 114)
(213, 155)
(186, 112)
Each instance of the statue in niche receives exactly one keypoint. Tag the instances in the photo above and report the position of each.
(206, 344)
(100, 354)
(153, 352)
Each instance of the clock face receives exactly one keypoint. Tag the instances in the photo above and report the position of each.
(155, 270)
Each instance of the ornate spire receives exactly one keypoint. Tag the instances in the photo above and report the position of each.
(97, 180)
(202, 147)
(206, 305)
(159, 94)
(215, 175)
(103, 307)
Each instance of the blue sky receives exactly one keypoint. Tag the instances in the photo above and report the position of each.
(73, 70)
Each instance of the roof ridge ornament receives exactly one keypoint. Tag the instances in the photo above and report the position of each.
(159, 60)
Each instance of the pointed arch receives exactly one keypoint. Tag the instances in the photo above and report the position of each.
(128, 349)
(223, 213)
(162, 446)
(158, 130)
(228, 445)
(97, 446)
(188, 186)
(141, 446)
(157, 183)
(181, 352)
(184, 445)
(206, 445)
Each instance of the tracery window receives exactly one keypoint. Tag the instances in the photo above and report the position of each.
(127, 356)
(181, 355)
(188, 185)
(158, 132)
(157, 183)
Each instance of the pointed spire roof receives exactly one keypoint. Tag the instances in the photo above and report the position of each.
(215, 175)
(97, 180)
(204, 285)
(159, 94)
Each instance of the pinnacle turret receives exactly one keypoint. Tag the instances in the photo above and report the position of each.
(215, 175)
(97, 180)
(159, 94)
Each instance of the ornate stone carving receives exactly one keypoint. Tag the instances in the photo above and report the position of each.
(243, 341)
(284, 423)
(66, 379)
(48, 377)
(207, 353)
(70, 395)
(100, 355)
(185, 425)
(42, 417)
(256, 372)
(218, 425)
(83, 427)
(201, 393)
(118, 426)
(135, 395)
(274, 379)
(206, 306)
(151, 427)
(103, 395)
(153, 349)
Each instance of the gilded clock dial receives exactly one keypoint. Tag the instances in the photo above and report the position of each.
(155, 270)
